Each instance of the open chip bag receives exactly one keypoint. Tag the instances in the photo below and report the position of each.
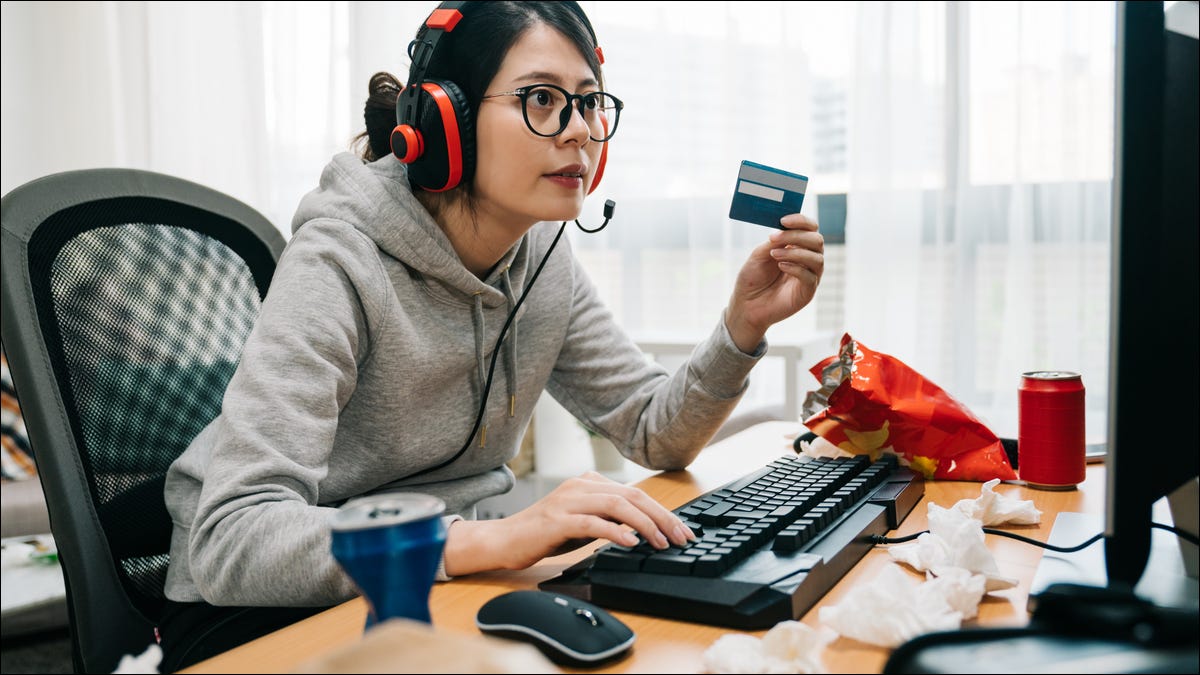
(870, 403)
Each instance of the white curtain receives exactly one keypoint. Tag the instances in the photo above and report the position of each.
(249, 98)
(959, 154)
(977, 237)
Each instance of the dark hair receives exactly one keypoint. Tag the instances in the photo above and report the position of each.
(470, 56)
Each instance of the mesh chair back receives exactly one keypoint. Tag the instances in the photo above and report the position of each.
(127, 299)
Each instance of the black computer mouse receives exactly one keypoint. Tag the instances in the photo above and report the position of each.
(569, 631)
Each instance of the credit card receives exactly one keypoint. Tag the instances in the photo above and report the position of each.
(764, 194)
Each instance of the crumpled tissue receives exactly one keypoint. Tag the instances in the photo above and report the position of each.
(959, 571)
(146, 662)
(993, 508)
(953, 540)
(789, 647)
(819, 447)
(955, 537)
(891, 609)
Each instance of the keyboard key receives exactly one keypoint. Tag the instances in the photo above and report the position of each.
(668, 563)
(712, 516)
(708, 565)
(618, 560)
(789, 540)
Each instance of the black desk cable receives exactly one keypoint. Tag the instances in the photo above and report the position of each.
(1186, 536)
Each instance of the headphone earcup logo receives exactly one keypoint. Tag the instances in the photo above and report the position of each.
(407, 144)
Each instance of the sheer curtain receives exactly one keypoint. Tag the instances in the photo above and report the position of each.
(707, 86)
(959, 157)
(250, 98)
(979, 194)
(959, 154)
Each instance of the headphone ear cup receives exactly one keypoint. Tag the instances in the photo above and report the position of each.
(446, 129)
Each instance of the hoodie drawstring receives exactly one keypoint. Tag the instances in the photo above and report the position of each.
(510, 347)
(477, 316)
(510, 351)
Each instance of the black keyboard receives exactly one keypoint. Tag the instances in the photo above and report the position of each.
(769, 545)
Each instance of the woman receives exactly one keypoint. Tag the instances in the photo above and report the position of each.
(371, 363)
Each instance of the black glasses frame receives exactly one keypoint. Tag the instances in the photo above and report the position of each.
(574, 102)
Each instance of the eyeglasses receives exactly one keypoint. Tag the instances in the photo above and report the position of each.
(547, 110)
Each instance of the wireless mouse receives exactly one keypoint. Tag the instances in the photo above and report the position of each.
(569, 631)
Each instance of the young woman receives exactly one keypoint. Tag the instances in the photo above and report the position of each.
(373, 365)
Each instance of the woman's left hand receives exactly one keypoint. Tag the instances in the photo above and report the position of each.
(777, 280)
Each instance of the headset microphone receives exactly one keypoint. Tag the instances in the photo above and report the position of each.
(609, 205)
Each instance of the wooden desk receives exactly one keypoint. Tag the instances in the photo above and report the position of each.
(664, 645)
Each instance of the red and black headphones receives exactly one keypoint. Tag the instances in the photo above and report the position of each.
(435, 134)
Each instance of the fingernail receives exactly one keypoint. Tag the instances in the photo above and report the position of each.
(776, 252)
(776, 236)
(629, 539)
(660, 540)
(681, 534)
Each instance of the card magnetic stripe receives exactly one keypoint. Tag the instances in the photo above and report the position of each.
(782, 181)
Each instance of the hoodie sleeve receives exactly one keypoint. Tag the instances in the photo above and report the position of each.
(660, 420)
(257, 537)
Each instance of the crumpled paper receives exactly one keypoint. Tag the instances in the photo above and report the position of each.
(953, 540)
(955, 537)
(146, 662)
(789, 647)
(959, 571)
(819, 447)
(992, 508)
(891, 609)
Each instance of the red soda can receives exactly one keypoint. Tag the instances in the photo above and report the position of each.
(1051, 449)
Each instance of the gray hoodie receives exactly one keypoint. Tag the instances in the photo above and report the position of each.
(367, 364)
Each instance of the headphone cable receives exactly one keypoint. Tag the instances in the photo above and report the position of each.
(487, 388)
(609, 207)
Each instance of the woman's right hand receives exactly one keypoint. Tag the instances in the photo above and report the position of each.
(580, 509)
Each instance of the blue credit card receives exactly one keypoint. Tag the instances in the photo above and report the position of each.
(765, 194)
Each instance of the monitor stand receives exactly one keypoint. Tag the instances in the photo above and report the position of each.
(1170, 576)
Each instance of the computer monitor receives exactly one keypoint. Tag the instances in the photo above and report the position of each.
(1153, 451)
(1153, 448)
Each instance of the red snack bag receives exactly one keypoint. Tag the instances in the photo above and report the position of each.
(870, 403)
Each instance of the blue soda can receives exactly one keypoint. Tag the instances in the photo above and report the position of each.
(390, 545)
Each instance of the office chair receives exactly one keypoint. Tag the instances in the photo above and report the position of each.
(127, 297)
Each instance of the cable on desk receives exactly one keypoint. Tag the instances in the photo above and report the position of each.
(1187, 536)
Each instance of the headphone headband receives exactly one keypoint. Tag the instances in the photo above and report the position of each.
(441, 21)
